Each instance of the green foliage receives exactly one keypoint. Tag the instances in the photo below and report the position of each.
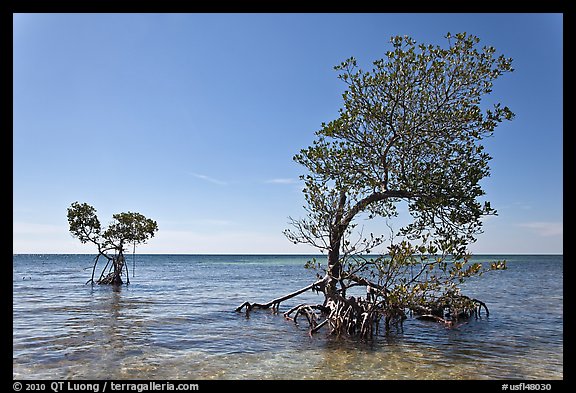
(126, 228)
(414, 277)
(410, 129)
(130, 228)
(84, 223)
(312, 264)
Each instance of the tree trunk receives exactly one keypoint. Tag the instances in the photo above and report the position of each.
(115, 276)
(334, 268)
(336, 232)
(118, 269)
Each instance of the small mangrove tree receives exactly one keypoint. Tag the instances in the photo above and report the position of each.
(125, 229)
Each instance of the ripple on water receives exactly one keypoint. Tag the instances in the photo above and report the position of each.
(176, 321)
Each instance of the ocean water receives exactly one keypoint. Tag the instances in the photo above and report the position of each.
(176, 320)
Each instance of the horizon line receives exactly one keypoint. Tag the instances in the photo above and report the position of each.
(273, 254)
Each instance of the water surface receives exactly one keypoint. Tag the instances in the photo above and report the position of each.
(176, 320)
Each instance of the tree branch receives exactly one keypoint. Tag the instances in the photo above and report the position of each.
(375, 197)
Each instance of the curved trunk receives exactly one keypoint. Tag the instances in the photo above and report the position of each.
(350, 315)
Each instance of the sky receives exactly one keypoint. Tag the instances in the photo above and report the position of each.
(193, 119)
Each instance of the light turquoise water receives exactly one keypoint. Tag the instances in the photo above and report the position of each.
(176, 321)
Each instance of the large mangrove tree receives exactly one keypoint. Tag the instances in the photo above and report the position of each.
(409, 134)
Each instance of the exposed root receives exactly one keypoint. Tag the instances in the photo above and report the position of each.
(299, 309)
(361, 317)
(319, 326)
(480, 305)
(112, 272)
(275, 303)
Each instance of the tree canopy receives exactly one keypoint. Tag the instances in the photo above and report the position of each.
(409, 129)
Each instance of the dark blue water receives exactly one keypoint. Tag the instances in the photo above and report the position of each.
(176, 320)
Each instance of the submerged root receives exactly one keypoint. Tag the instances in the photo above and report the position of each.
(111, 279)
(312, 313)
(450, 309)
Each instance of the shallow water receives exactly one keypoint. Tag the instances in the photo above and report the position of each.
(176, 320)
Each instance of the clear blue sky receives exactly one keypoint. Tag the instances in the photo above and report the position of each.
(193, 119)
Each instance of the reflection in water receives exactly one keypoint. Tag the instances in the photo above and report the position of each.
(176, 322)
(121, 331)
